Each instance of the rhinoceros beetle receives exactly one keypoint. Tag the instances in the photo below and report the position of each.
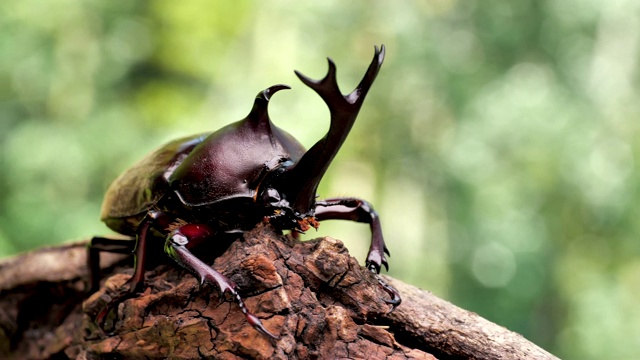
(230, 180)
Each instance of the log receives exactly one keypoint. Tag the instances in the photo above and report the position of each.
(312, 294)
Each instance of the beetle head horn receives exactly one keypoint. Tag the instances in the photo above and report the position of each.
(302, 180)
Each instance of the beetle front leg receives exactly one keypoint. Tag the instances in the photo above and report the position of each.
(359, 210)
(177, 247)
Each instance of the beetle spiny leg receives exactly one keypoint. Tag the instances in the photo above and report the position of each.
(253, 320)
(177, 247)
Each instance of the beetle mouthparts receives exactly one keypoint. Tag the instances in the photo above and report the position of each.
(307, 223)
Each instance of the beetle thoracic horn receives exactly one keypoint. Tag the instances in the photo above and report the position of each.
(303, 179)
(259, 111)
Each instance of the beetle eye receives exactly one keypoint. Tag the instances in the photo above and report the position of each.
(284, 164)
(271, 196)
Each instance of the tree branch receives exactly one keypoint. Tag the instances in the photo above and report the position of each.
(313, 294)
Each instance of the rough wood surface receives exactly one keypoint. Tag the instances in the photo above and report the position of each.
(313, 294)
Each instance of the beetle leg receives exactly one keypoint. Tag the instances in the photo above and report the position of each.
(361, 211)
(122, 246)
(159, 220)
(99, 244)
(138, 247)
(177, 247)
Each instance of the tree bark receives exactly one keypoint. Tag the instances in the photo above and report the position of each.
(312, 294)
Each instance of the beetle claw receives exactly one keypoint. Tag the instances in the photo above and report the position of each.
(395, 295)
(375, 266)
(101, 317)
(255, 322)
(375, 261)
(395, 301)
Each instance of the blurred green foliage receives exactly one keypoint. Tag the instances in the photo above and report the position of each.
(498, 143)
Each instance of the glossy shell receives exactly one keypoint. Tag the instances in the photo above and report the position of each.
(232, 162)
(139, 188)
(203, 169)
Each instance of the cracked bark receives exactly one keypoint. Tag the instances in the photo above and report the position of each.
(320, 301)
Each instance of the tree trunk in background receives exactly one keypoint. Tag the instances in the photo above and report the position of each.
(312, 294)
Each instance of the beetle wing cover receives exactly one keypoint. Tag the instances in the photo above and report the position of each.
(142, 185)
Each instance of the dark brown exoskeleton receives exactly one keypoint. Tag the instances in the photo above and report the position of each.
(228, 181)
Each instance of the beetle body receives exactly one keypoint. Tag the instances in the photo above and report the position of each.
(177, 178)
(229, 180)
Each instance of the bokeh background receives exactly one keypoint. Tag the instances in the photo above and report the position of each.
(499, 143)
